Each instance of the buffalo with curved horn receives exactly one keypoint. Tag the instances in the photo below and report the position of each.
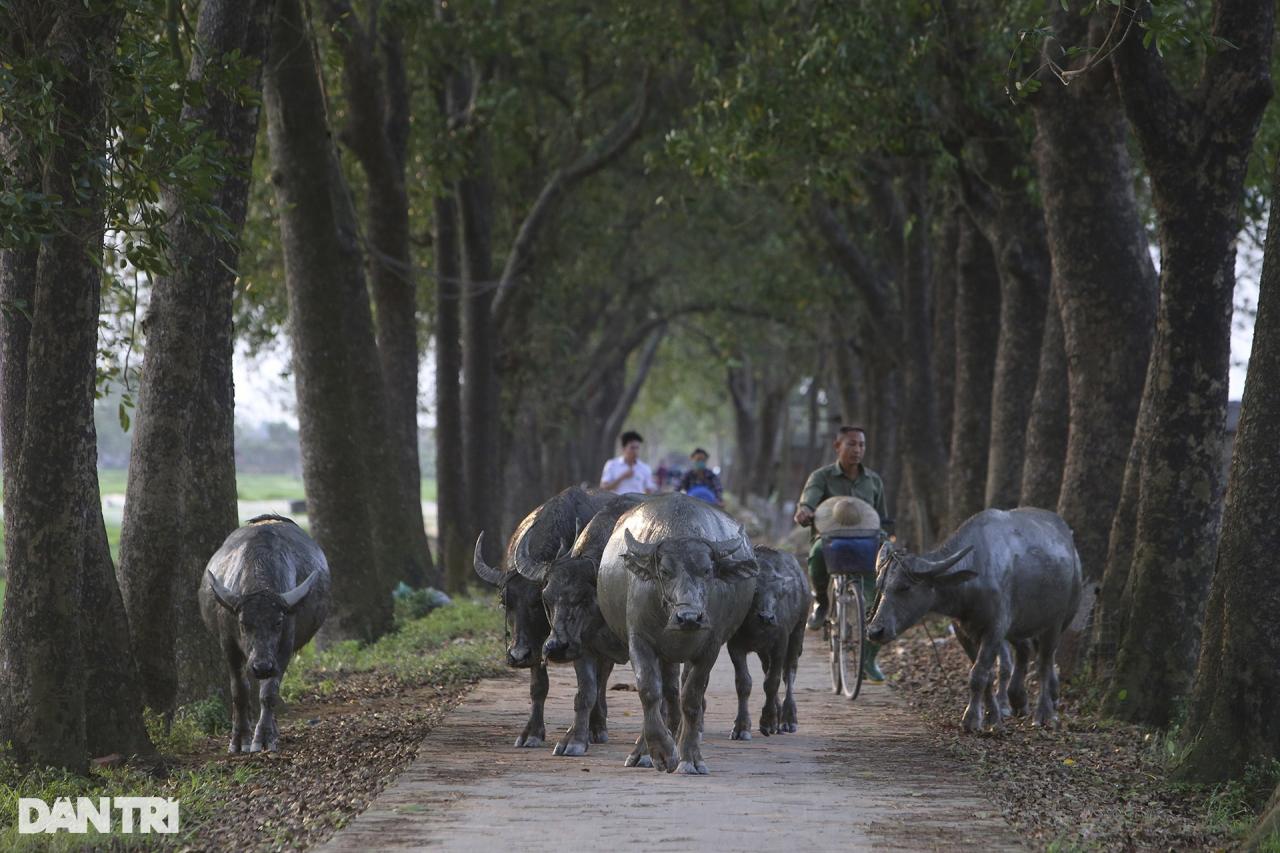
(676, 581)
(1004, 575)
(265, 593)
(537, 540)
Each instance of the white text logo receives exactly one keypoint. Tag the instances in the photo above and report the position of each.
(135, 814)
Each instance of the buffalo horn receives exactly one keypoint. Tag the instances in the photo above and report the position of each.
(933, 568)
(487, 573)
(523, 560)
(294, 597)
(726, 547)
(639, 549)
(226, 597)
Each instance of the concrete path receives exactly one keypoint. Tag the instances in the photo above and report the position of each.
(857, 776)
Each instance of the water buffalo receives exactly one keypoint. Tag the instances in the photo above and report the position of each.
(538, 539)
(774, 630)
(1011, 575)
(264, 594)
(676, 580)
(578, 633)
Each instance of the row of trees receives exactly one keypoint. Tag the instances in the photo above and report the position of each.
(935, 219)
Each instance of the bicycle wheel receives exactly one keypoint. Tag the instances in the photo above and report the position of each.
(852, 631)
(829, 628)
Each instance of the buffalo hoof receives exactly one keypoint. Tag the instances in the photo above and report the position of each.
(233, 748)
(571, 748)
(599, 735)
(740, 733)
(1048, 722)
(528, 741)
(663, 755)
(789, 728)
(269, 746)
(692, 768)
(638, 761)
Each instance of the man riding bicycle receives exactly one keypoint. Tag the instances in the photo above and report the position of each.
(848, 477)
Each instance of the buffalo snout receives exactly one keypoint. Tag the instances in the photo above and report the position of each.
(559, 651)
(519, 656)
(767, 617)
(877, 633)
(262, 669)
(689, 619)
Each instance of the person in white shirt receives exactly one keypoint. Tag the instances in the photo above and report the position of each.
(626, 473)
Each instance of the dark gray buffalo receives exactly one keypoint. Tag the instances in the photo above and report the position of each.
(1003, 575)
(774, 630)
(265, 593)
(676, 580)
(545, 533)
(578, 632)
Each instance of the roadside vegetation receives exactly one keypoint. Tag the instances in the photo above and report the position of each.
(354, 716)
(1095, 784)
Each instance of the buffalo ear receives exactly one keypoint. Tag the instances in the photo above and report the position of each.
(644, 568)
(734, 569)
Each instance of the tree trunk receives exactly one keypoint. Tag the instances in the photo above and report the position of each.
(328, 305)
(994, 178)
(943, 323)
(56, 562)
(209, 507)
(377, 132)
(1022, 260)
(480, 389)
(450, 485)
(1050, 417)
(1232, 722)
(155, 530)
(920, 437)
(1196, 150)
(1106, 284)
(977, 314)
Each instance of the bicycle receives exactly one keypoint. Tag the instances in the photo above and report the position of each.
(848, 558)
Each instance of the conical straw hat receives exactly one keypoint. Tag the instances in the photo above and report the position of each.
(843, 516)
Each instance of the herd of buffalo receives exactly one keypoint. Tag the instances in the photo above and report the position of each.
(664, 581)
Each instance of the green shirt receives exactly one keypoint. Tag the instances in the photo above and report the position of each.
(831, 482)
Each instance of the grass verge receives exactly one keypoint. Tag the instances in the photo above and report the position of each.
(354, 716)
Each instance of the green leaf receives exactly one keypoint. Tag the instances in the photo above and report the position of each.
(124, 417)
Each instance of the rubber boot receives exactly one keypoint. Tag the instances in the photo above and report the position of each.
(870, 669)
(819, 613)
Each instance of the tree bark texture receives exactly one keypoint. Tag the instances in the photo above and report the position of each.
(450, 485)
(1106, 284)
(1017, 237)
(943, 324)
(977, 316)
(1196, 150)
(920, 438)
(993, 177)
(1050, 420)
(155, 529)
(330, 324)
(481, 394)
(56, 563)
(1232, 720)
(377, 131)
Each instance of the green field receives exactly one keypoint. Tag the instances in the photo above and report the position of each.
(249, 487)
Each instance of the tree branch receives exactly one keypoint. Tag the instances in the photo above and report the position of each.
(613, 424)
(625, 131)
(850, 258)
